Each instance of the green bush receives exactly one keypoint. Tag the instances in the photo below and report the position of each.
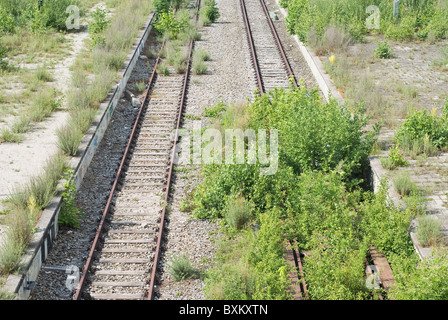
(3, 63)
(419, 124)
(168, 24)
(69, 138)
(70, 213)
(161, 6)
(6, 21)
(394, 159)
(209, 12)
(383, 50)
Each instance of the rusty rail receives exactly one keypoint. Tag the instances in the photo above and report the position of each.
(105, 213)
(252, 48)
(279, 43)
(167, 191)
(120, 171)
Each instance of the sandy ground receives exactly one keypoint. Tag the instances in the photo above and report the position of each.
(20, 161)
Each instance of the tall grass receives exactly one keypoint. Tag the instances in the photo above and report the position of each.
(41, 187)
(429, 231)
(25, 203)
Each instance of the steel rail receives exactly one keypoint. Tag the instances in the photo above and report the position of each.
(118, 174)
(167, 190)
(302, 275)
(279, 43)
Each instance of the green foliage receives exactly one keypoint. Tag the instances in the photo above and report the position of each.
(3, 63)
(6, 21)
(427, 281)
(429, 231)
(168, 24)
(70, 212)
(98, 26)
(250, 266)
(425, 19)
(161, 6)
(384, 226)
(313, 135)
(69, 137)
(283, 3)
(51, 15)
(209, 13)
(383, 50)
(215, 111)
(394, 159)
(418, 124)
(180, 268)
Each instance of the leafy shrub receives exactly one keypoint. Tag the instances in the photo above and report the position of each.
(161, 6)
(70, 212)
(394, 159)
(98, 26)
(418, 124)
(6, 21)
(198, 66)
(100, 22)
(69, 138)
(3, 63)
(313, 135)
(214, 111)
(167, 24)
(209, 12)
(426, 19)
(383, 50)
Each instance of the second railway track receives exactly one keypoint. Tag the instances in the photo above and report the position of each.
(271, 64)
(122, 262)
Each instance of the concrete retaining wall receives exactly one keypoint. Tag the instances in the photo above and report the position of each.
(47, 227)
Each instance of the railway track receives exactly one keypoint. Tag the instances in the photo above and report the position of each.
(272, 68)
(122, 262)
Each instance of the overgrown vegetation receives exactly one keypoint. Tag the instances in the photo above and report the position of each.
(70, 212)
(383, 50)
(316, 197)
(423, 132)
(417, 20)
(209, 13)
